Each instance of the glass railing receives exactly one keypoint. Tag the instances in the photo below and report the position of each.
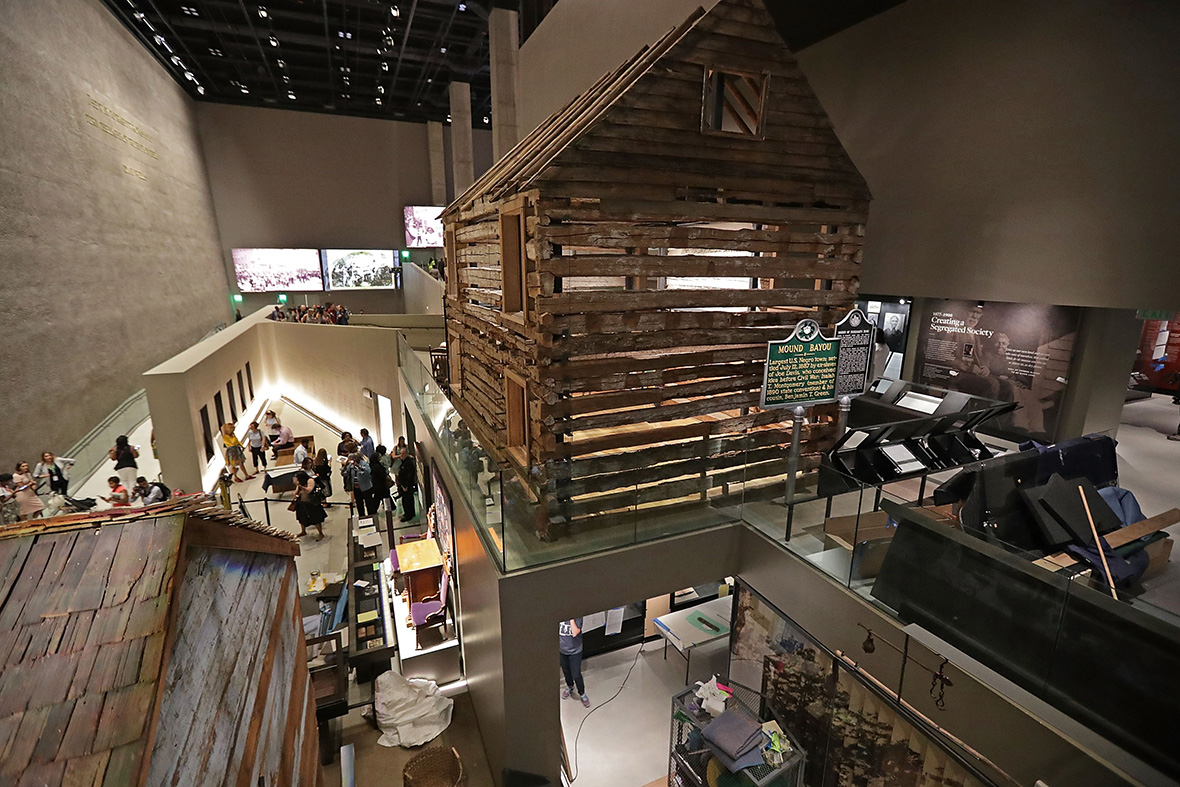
(90, 453)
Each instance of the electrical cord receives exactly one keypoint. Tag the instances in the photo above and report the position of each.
(622, 685)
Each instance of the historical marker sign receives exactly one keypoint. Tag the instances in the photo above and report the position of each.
(801, 371)
(855, 333)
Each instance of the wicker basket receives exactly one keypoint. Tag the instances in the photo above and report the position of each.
(434, 767)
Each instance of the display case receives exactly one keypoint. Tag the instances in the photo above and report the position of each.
(694, 762)
(372, 641)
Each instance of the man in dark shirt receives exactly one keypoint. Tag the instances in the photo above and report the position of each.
(569, 632)
(407, 483)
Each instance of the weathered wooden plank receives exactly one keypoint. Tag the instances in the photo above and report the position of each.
(658, 453)
(559, 373)
(658, 413)
(593, 344)
(753, 164)
(700, 265)
(623, 235)
(592, 403)
(638, 210)
(566, 303)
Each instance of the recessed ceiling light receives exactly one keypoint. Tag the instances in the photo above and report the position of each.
(262, 12)
(462, 6)
(381, 89)
(286, 79)
(200, 90)
(189, 10)
(159, 40)
(138, 15)
(189, 76)
(216, 52)
(384, 66)
(485, 120)
(281, 63)
(442, 49)
(175, 60)
(378, 102)
(274, 41)
(395, 11)
(429, 80)
(290, 95)
(448, 118)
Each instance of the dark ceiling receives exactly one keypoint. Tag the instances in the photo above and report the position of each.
(390, 60)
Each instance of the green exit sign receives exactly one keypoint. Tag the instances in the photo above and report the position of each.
(1155, 314)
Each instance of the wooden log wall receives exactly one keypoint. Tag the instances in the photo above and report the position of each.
(642, 396)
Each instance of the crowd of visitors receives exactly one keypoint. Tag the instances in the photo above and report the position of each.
(25, 492)
(328, 314)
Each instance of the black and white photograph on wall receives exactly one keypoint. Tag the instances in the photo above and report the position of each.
(424, 227)
(892, 318)
(276, 270)
(854, 736)
(1012, 352)
(360, 269)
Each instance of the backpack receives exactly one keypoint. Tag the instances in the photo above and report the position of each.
(164, 490)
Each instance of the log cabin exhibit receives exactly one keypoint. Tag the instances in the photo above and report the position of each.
(613, 282)
(153, 646)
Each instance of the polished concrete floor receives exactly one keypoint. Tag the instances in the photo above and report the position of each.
(624, 741)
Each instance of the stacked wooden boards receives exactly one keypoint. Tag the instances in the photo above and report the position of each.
(659, 258)
(154, 646)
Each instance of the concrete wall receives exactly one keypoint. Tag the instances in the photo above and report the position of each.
(422, 331)
(579, 41)
(108, 242)
(305, 180)
(178, 388)
(424, 293)
(323, 368)
(1017, 150)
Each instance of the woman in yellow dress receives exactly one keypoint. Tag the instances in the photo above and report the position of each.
(235, 455)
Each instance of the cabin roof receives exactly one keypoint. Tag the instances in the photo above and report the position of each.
(735, 25)
(84, 603)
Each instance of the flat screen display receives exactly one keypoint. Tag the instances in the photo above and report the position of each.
(360, 269)
(424, 229)
(275, 270)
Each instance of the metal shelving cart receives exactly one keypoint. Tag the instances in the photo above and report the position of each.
(693, 762)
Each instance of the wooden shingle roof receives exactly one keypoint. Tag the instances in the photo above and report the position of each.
(84, 604)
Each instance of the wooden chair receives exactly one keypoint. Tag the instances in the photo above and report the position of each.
(329, 685)
(434, 767)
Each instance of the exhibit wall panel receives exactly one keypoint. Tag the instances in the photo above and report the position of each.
(1017, 151)
(326, 368)
(107, 236)
(478, 606)
(1019, 742)
(532, 603)
(178, 388)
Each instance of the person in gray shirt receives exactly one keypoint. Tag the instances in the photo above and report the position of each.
(569, 633)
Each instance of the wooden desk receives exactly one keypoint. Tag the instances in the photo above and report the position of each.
(421, 563)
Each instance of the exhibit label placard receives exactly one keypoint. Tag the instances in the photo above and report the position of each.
(801, 370)
(855, 334)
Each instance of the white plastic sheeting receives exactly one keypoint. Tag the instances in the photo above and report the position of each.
(410, 712)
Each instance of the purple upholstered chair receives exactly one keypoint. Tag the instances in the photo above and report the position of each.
(431, 612)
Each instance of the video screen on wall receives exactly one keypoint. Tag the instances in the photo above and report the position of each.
(360, 269)
(424, 228)
(275, 270)
(1157, 363)
(892, 318)
(1014, 352)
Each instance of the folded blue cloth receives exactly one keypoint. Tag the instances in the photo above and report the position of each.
(734, 733)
